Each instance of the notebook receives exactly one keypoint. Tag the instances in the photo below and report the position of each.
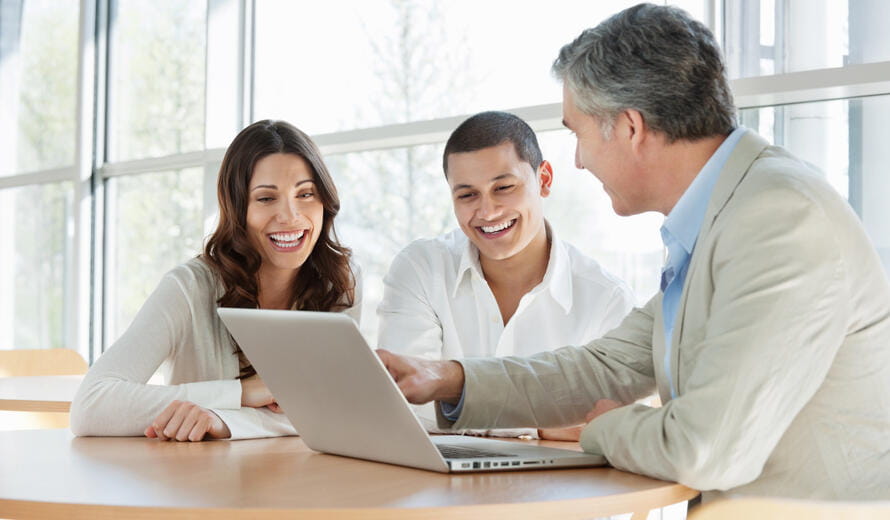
(341, 399)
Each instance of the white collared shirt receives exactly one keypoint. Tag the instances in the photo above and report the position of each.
(437, 305)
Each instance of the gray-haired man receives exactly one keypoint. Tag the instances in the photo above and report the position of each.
(769, 342)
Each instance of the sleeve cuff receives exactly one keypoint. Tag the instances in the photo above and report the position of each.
(452, 412)
(255, 423)
(225, 394)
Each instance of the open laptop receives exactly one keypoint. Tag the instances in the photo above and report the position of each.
(341, 399)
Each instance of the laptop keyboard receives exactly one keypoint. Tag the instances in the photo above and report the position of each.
(461, 452)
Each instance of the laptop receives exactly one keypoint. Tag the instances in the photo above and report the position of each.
(341, 399)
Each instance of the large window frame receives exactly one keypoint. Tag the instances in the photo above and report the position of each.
(229, 83)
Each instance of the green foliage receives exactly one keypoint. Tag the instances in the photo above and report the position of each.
(157, 226)
(47, 85)
(41, 247)
(157, 75)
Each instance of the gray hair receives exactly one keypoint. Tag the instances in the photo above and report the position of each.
(654, 59)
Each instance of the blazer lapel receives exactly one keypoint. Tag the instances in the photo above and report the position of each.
(746, 151)
(661, 379)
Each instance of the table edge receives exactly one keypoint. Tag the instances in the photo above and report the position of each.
(579, 508)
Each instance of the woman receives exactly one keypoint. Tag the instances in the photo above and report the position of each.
(274, 248)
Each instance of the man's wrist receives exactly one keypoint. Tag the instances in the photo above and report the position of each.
(452, 383)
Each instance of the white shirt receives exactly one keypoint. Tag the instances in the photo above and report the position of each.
(437, 305)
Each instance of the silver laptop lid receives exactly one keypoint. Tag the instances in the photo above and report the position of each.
(339, 404)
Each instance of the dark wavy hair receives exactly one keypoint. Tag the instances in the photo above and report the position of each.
(325, 281)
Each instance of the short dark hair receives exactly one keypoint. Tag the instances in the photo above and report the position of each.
(657, 60)
(487, 129)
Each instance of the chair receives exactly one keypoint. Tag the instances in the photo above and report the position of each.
(788, 509)
(41, 362)
(38, 362)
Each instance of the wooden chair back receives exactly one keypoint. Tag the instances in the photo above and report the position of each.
(41, 362)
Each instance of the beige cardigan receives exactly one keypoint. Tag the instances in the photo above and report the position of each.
(781, 353)
(177, 331)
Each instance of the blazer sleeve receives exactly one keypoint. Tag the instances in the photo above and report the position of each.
(558, 388)
(777, 320)
(115, 397)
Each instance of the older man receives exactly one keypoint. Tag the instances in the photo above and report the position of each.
(769, 342)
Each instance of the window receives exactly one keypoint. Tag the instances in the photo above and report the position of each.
(156, 104)
(154, 225)
(766, 37)
(154, 187)
(33, 264)
(156, 90)
(344, 65)
(38, 78)
(38, 86)
(581, 213)
(388, 198)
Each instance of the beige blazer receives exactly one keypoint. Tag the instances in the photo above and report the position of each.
(780, 355)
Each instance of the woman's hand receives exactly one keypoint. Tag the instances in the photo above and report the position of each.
(255, 394)
(186, 421)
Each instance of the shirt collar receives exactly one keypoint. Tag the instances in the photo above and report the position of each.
(684, 221)
(469, 263)
(557, 278)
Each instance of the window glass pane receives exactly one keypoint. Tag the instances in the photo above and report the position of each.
(355, 64)
(153, 224)
(33, 265)
(771, 37)
(156, 104)
(38, 82)
(581, 213)
(846, 140)
(388, 198)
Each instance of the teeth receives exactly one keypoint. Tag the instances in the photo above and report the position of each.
(287, 237)
(499, 227)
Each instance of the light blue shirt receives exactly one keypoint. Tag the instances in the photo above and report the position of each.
(679, 233)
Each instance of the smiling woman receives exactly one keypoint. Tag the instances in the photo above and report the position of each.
(274, 247)
(284, 218)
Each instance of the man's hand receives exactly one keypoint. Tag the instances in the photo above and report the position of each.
(186, 421)
(423, 380)
(600, 407)
(255, 394)
(573, 433)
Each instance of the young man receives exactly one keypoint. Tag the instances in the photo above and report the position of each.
(503, 284)
(770, 340)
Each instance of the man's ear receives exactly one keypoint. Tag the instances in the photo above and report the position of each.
(545, 177)
(635, 127)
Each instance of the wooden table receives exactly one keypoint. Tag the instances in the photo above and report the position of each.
(51, 474)
(38, 393)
